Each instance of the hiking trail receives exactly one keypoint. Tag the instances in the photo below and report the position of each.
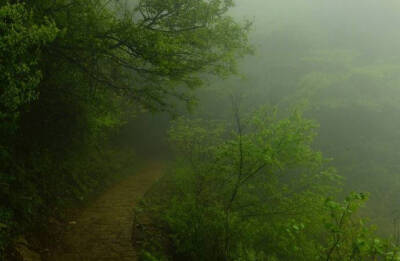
(102, 231)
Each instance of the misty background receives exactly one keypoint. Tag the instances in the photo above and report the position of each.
(337, 60)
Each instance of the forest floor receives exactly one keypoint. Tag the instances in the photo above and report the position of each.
(102, 231)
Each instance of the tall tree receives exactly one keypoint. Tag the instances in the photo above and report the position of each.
(69, 69)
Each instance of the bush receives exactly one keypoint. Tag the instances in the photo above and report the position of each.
(259, 192)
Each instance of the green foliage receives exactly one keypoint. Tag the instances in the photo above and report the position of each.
(73, 72)
(20, 48)
(349, 238)
(350, 83)
(21, 40)
(146, 52)
(257, 191)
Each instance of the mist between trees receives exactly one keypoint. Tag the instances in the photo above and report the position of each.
(281, 116)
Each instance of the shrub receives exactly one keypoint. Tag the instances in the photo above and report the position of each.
(257, 192)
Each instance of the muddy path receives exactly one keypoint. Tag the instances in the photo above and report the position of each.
(102, 231)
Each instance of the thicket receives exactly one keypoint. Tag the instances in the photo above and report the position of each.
(350, 81)
(73, 71)
(253, 190)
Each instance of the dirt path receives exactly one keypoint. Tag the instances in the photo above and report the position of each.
(103, 230)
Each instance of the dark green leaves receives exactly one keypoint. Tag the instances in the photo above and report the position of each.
(21, 40)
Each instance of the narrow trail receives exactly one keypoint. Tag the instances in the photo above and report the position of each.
(103, 230)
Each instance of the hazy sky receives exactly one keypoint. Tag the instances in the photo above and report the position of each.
(372, 24)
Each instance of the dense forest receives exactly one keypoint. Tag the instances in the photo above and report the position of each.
(277, 121)
(73, 71)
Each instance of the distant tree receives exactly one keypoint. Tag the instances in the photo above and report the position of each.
(257, 191)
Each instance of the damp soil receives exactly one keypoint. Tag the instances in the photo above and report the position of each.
(102, 230)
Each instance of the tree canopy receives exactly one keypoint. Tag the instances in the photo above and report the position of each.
(72, 71)
(148, 51)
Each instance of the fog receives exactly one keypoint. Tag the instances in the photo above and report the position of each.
(241, 144)
(340, 61)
